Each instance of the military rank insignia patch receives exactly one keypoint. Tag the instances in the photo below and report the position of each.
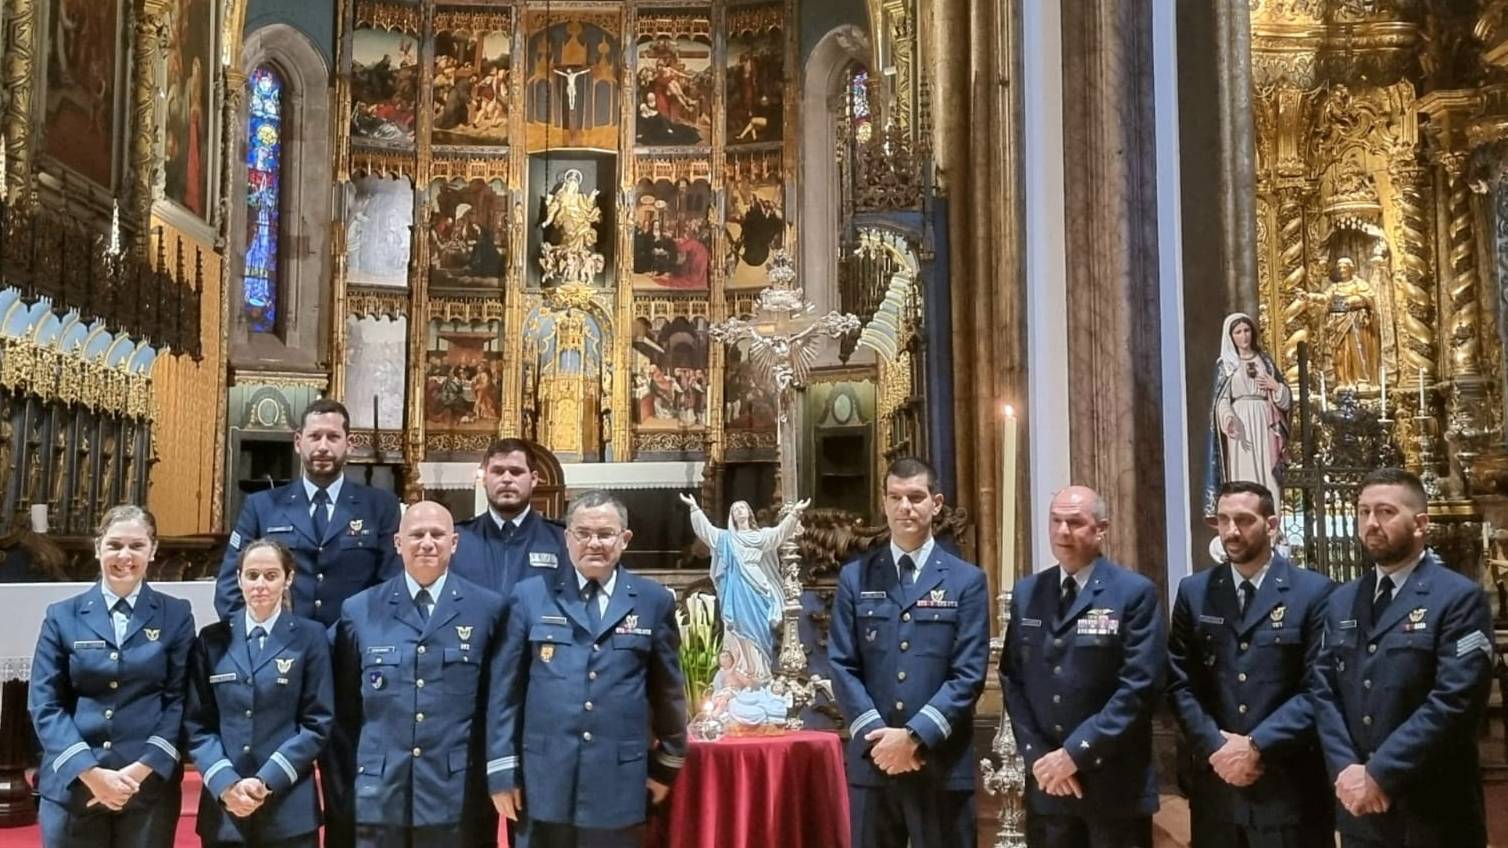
(284, 664)
(546, 653)
(153, 633)
(355, 526)
(463, 632)
(377, 679)
(1276, 616)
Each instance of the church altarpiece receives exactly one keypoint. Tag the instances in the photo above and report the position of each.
(549, 204)
(1380, 182)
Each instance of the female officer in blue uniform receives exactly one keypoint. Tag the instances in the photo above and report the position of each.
(259, 711)
(107, 699)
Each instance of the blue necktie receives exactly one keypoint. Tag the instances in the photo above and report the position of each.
(908, 570)
(423, 600)
(121, 608)
(258, 638)
(593, 612)
(1383, 598)
(321, 514)
(1248, 594)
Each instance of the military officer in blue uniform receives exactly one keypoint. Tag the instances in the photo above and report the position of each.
(594, 715)
(341, 535)
(340, 532)
(1244, 638)
(510, 541)
(415, 661)
(908, 648)
(1402, 683)
(1082, 669)
(259, 711)
(106, 699)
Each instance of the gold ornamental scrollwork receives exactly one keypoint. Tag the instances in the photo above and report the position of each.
(147, 45)
(364, 301)
(18, 363)
(693, 441)
(457, 442)
(466, 309)
(749, 440)
(478, 21)
(538, 19)
(388, 164)
(455, 166)
(390, 16)
(673, 168)
(19, 73)
(671, 24)
(754, 20)
(1416, 318)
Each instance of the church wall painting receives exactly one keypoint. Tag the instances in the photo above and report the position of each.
(669, 365)
(83, 80)
(376, 364)
(472, 76)
(673, 217)
(468, 233)
(755, 74)
(755, 217)
(189, 75)
(674, 80)
(572, 82)
(384, 84)
(378, 224)
(462, 376)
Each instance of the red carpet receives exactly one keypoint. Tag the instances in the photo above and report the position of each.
(31, 837)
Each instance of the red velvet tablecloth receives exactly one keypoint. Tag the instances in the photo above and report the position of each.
(785, 791)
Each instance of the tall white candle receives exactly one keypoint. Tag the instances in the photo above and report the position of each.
(1384, 391)
(1008, 502)
(1324, 400)
(1421, 390)
(479, 495)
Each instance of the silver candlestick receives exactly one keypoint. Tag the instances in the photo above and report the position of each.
(1004, 771)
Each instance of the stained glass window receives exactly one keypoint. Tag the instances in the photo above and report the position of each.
(858, 103)
(264, 162)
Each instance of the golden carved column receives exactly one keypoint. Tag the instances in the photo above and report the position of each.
(1461, 243)
(1292, 278)
(19, 71)
(148, 35)
(1413, 284)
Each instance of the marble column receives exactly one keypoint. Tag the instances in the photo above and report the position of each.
(1114, 321)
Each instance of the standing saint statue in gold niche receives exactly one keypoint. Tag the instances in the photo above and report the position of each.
(1351, 337)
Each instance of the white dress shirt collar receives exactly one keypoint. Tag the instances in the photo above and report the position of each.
(334, 489)
(517, 521)
(252, 623)
(1399, 576)
(1081, 577)
(111, 597)
(1256, 579)
(918, 556)
(434, 588)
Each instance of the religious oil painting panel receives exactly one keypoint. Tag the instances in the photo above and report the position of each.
(82, 78)
(669, 365)
(462, 369)
(378, 225)
(573, 82)
(675, 79)
(673, 220)
(468, 233)
(755, 217)
(749, 402)
(190, 79)
(376, 362)
(384, 85)
(473, 70)
(756, 74)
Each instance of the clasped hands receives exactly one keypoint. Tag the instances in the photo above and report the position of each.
(245, 797)
(894, 751)
(1238, 762)
(1359, 793)
(1056, 774)
(113, 788)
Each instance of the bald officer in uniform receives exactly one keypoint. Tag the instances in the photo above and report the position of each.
(341, 536)
(593, 724)
(1245, 636)
(1402, 683)
(1082, 669)
(415, 658)
(510, 541)
(908, 647)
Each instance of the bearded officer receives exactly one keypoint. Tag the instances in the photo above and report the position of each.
(1402, 683)
(1244, 636)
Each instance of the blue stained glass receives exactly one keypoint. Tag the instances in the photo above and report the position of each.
(264, 164)
(858, 100)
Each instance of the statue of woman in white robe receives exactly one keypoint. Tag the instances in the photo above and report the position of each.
(1248, 413)
(746, 574)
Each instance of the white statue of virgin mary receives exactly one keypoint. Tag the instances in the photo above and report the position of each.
(746, 574)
